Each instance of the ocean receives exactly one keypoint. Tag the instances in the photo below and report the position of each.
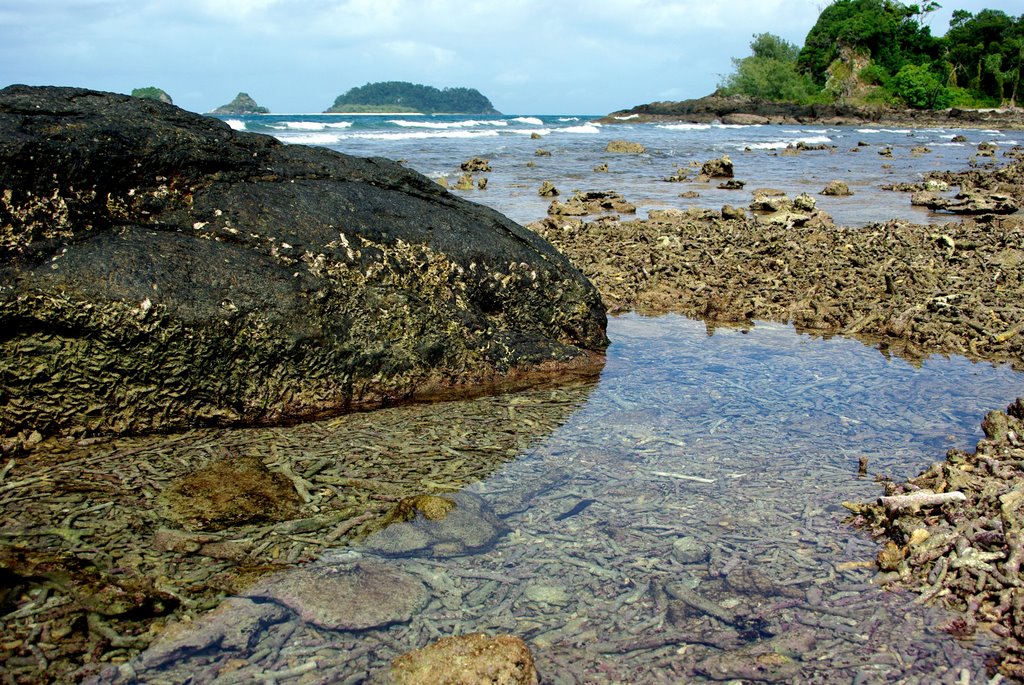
(517, 148)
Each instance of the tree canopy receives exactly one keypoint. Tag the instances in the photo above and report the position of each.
(770, 72)
(979, 62)
(400, 96)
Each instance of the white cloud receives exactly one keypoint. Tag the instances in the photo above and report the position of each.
(420, 54)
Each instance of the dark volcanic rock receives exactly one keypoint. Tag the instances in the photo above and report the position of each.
(159, 270)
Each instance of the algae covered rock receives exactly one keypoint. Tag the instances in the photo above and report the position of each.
(431, 525)
(232, 490)
(625, 147)
(159, 271)
(467, 660)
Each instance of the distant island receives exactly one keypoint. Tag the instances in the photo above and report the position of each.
(400, 96)
(152, 93)
(242, 104)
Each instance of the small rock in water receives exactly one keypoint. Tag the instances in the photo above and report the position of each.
(467, 527)
(837, 188)
(466, 660)
(689, 550)
(547, 189)
(235, 625)
(717, 168)
(233, 490)
(626, 147)
(476, 164)
(366, 595)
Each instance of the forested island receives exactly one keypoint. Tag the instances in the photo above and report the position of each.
(882, 52)
(400, 96)
(152, 93)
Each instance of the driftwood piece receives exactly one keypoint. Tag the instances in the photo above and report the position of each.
(921, 498)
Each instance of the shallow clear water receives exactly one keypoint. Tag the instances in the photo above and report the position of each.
(437, 145)
(740, 445)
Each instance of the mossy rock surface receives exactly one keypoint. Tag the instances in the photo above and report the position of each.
(160, 271)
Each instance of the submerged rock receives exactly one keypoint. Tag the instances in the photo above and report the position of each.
(447, 526)
(162, 271)
(466, 660)
(233, 490)
(234, 626)
(365, 595)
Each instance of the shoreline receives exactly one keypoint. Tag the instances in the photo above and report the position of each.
(742, 110)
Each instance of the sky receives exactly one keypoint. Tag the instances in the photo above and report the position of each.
(527, 56)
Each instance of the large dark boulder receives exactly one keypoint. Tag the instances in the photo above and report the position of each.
(159, 270)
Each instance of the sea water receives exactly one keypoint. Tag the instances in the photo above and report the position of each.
(437, 145)
(711, 466)
(707, 465)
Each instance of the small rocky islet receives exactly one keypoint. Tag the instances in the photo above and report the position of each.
(783, 260)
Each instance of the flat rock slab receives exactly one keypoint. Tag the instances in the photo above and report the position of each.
(366, 595)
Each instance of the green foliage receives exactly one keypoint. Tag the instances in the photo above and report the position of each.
(891, 32)
(986, 52)
(151, 93)
(875, 75)
(920, 88)
(400, 96)
(769, 73)
(979, 62)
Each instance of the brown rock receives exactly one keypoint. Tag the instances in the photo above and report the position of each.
(837, 188)
(232, 490)
(625, 147)
(474, 659)
(729, 212)
(717, 168)
(547, 189)
(476, 164)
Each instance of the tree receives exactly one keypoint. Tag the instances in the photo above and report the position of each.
(920, 87)
(769, 72)
(891, 32)
(985, 51)
(411, 97)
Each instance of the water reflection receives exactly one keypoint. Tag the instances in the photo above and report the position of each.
(683, 525)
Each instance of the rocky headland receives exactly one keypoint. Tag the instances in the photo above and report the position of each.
(743, 110)
(161, 271)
